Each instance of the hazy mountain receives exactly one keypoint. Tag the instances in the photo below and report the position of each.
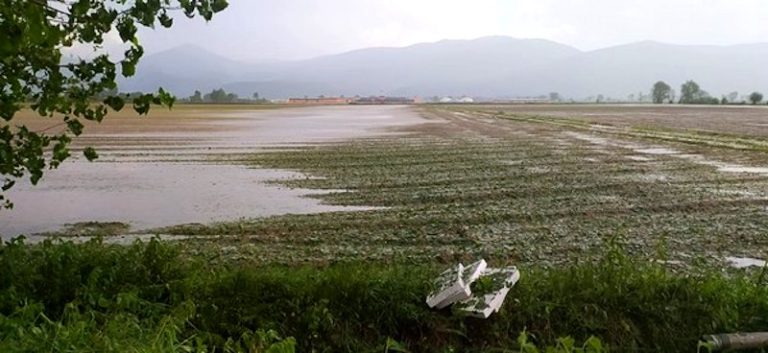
(187, 68)
(627, 69)
(490, 67)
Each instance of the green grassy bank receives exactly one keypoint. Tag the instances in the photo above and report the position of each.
(153, 298)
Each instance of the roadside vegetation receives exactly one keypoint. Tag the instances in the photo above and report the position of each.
(153, 298)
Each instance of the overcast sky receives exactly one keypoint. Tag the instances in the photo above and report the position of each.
(295, 29)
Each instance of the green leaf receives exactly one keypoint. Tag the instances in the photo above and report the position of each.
(219, 5)
(165, 20)
(90, 154)
(115, 102)
(142, 103)
(60, 152)
(127, 29)
(7, 185)
(75, 126)
(394, 346)
(129, 68)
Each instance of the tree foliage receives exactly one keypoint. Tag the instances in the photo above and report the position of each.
(34, 35)
(220, 96)
(197, 97)
(691, 93)
(661, 92)
(756, 97)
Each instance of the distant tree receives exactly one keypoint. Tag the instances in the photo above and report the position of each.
(554, 97)
(724, 100)
(756, 97)
(196, 98)
(256, 95)
(733, 97)
(220, 96)
(690, 92)
(661, 92)
(599, 98)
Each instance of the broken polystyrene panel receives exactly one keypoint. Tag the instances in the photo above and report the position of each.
(469, 275)
(490, 291)
(473, 272)
(451, 288)
(447, 287)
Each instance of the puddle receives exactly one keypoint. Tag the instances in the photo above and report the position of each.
(639, 158)
(137, 182)
(742, 169)
(722, 167)
(657, 151)
(227, 132)
(744, 262)
(149, 195)
(591, 139)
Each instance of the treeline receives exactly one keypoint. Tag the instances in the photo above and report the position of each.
(218, 96)
(223, 97)
(692, 93)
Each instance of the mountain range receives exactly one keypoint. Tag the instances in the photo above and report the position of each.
(491, 67)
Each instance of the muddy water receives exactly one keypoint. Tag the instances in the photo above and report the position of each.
(152, 192)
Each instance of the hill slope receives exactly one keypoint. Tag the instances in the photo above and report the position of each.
(490, 67)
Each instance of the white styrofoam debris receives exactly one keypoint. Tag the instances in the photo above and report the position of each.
(448, 286)
(461, 290)
(454, 286)
(486, 304)
(473, 272)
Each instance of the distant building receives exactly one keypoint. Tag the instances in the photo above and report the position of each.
(320, 101)
(446, 100)
(466, 100)
(383, 100)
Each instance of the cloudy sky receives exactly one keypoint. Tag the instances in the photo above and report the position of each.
(255, 30)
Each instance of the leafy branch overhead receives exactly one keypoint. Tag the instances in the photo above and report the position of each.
(34, 35)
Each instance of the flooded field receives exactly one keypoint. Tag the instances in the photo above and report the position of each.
(538, 184)
(543, 184)
(181, 167)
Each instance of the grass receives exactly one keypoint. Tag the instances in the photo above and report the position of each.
(150, 297)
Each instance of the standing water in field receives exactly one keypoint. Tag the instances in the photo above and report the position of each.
(147, 182)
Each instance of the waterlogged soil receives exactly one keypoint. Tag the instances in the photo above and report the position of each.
(151, 195)
(742, 119)
(518, 188)
(176, 169)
